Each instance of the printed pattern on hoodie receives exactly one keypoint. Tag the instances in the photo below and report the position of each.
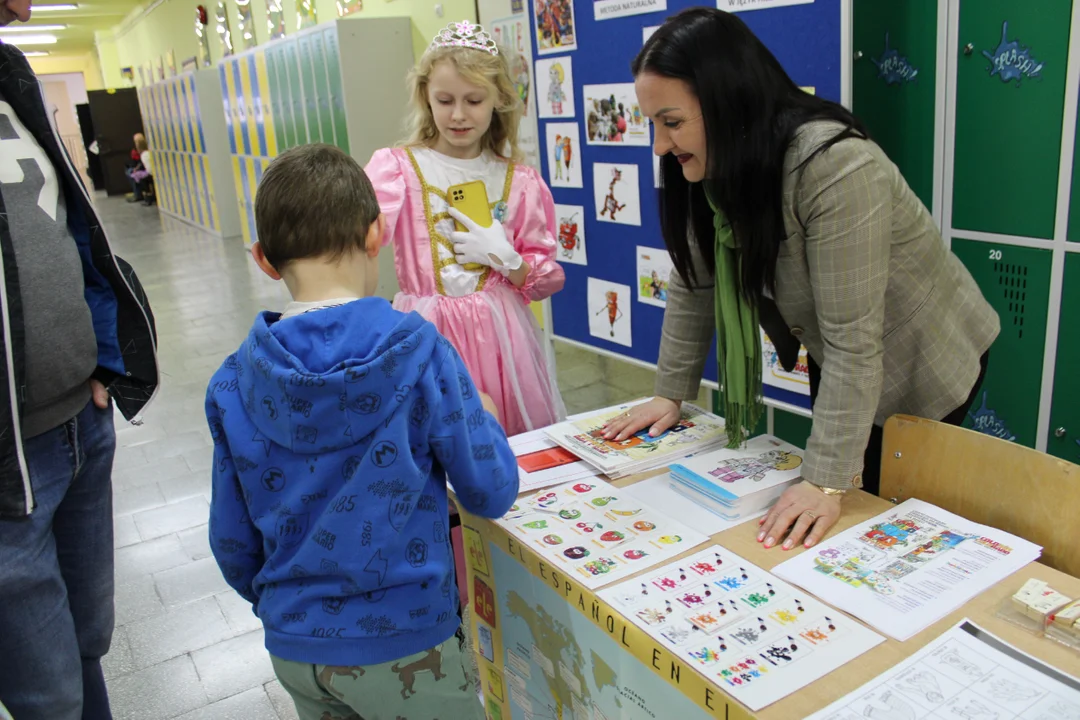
(334, 435)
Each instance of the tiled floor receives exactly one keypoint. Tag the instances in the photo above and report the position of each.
(186, 646)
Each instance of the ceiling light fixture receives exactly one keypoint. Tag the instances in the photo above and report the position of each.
(55, 8)
(36, 53)
(21, 40)
(30, 28)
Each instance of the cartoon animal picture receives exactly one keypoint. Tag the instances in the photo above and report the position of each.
(556, 94)
(569, 237)
(329, 672)
(756, 468)
(432, 662)
(612, 307)
(611, 204)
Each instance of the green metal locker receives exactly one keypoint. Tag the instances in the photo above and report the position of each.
(337, 96)
(322, 88)
(1009, 108)
(894, 83)
(278, 99)
(296, 91)
(311, 91)
(1064, 439)
(791, 428)
(1016, 282)
(1074, 201)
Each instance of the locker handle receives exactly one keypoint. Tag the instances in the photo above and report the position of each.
(858, 55)
(1060, 432)
(969, 48)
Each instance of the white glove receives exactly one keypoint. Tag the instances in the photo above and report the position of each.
(484, 245)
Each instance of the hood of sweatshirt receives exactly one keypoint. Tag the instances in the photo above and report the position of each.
(325, 380)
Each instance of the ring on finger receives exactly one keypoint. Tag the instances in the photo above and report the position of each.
(811, 515)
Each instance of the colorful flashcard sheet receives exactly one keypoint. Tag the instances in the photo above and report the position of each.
(654, 267)
(512, 35)
(540, 464)
(611, 9)
(597, 532)
(609, 306)
(555, 87)
(564, 155)
(774, 374)
(571, 221)
(966, 674)
(613, 116)
(755, 636)
(616, 192)
(657, 493)
(904, 570)
(556, 31)
(696, 431)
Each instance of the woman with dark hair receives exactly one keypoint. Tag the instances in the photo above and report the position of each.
(779, 210)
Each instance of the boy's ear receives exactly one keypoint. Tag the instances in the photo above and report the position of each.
(374, 240)
(262, 262)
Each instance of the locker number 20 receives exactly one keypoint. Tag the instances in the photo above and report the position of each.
(995, 254)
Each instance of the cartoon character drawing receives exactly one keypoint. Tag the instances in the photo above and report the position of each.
(611, 204)
(756, 468)
(569, 238)
(642, 437)
(521, 81)
(612, 308)
(568, 152)
(939, 544)
(658, 287)
(891, 533)
(556, 95)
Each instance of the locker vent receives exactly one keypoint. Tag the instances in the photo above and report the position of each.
(1012, 278)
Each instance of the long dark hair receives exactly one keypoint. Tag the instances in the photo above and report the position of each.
(751, 110)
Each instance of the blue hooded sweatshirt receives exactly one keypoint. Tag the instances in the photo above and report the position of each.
(334, 433)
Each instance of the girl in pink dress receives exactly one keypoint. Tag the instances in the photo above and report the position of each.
(475, 286)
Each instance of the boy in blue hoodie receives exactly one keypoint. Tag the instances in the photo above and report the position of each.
(336, 426)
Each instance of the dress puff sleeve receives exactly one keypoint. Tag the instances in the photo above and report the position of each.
(386, 174)
(533, 230)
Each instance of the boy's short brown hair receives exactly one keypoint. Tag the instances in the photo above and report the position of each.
(314, 200)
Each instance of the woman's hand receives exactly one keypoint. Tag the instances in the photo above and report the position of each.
(802, 507)
(489, 405)
(659, 412)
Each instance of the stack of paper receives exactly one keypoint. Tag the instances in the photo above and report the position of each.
(542, 463)
(695, 432)
(756, 637)
(736, 484)
(906, 569)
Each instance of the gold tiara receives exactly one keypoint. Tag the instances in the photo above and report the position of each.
(465, 34)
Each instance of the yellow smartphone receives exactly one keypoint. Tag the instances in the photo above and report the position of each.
(472, 201)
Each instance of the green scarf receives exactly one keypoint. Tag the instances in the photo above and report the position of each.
(738, 344)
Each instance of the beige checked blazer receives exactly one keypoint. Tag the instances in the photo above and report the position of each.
(863, 279)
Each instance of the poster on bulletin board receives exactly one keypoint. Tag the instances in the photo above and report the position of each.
(512, 36)
(600, 158)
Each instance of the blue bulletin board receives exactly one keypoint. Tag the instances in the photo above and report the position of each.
(805, 37)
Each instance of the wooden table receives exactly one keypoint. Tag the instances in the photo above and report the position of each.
(742, 540)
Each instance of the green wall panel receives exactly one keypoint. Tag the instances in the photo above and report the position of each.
(337, 94)
(296, 91)
(893, 83)
(322, 88)
(1016, 282)
(1074, 201)
(1065, 412)
(791, 428)
(1008, 134)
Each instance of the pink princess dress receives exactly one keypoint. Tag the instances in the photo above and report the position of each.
(478, 310)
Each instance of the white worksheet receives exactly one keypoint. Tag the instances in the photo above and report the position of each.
(905, 569)
(754, 635)
(966, 674)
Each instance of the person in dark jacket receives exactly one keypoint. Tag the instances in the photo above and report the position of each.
(76, 329)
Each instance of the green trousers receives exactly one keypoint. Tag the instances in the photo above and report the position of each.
(430, 685)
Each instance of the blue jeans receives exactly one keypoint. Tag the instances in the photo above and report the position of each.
(56, 576)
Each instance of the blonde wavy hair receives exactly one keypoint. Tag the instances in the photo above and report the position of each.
(480, 68)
